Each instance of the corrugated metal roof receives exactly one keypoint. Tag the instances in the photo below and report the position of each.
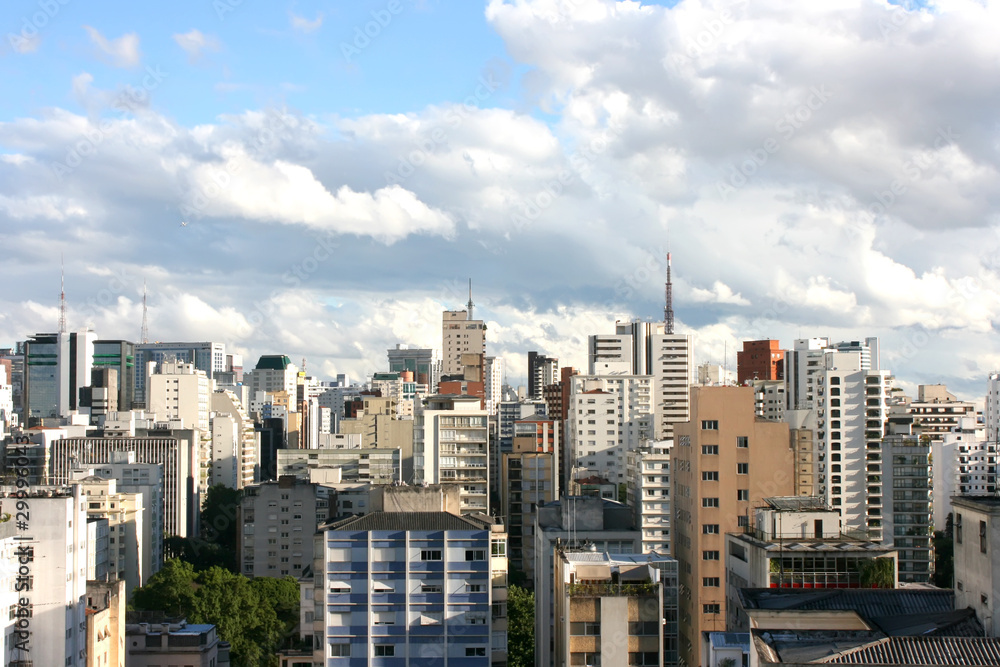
(922, 651)
(418, 521)
(730, 640)
(869, 603)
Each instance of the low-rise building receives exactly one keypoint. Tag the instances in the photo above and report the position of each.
(977, 545)
(615, 609)
(174, 642)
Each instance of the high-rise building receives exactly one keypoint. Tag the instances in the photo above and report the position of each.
(907, 504)
(542, 371)
(131, 556)
(760, 360)
(646, 348)
(841, 394)
(724, 462)
(52, 576)
(424, 363)
(235, 443)
(120, 356)
(204, 356)
(56, 367)
(648, 494)
(608, 417)
(965, 464)
(450, 438)
(460, 334)
(413, 587)
(274, 373)
(493, 381)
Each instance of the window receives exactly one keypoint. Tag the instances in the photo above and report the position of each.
(430, 554)
(474, 651)
(710, 475)
(743, 521)
(710, 582)
(384, 650)
(644, 628)
(475, 554)
(742, 468)
(742, 441)
(743, 494)
(340, 650)
(710, 425)
(958, 529)
(714, 608)
(709, 449)
(645, 658)
(710, 555)
(982, 536)
(427, 588)
(587, 628)
(473, 588)
(709, 502)
(710, 529)
(585, 659)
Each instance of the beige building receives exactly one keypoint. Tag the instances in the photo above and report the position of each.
(615, 609)
(181, 392)
(450, 446)
(725, 461)
(130, 553)
(380, 424)
(529, 476)
(460, 334)
(106, 623)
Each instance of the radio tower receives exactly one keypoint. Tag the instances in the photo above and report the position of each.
(470, 304)
(668, 310)
(62, 295)
(144, 333)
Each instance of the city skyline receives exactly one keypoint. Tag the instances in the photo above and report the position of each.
(816, 171)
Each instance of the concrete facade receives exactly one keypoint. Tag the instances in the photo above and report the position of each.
(977, 543)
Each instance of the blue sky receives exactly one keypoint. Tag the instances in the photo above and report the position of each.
(820, 169)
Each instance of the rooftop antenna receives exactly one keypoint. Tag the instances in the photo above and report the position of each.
(470, 304)
(668, 310)
(144, 333)
(62, 294)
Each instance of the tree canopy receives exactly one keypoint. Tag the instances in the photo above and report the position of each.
(520, 627)
(254, 616)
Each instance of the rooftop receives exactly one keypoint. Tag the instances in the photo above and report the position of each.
(740, 640)
(797, 504)
(273, 362)
(411, 521)
(845, 647)
(985, 503)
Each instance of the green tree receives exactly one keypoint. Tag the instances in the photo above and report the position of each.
(623, 494)
(171, 590)
(520, 627)
(877, 573)
(218, 518)
(283, 594)
(944, 560)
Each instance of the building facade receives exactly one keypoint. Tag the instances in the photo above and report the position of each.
(977, 543)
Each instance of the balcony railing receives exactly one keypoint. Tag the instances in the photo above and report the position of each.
(602, 590)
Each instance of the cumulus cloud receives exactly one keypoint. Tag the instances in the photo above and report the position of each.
(823, 169)
(120, 52)
(195, 42)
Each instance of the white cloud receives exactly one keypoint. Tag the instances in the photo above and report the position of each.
(720, 293)
(305, 25)
(121, 52)
(194, 43)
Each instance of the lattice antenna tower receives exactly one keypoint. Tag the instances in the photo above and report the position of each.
(668, 309)
(62, 295)
(144, 332)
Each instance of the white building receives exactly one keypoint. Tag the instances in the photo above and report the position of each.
(493, 383)
(372, 465)
(649, 494)
(643, 348)
(274, 373)
(608, 416)
(965, 464)
(769, 399)
(235, 444)
(450, 446)
(55, 585)
(207, 357)
(977, 544)
(417, 587)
